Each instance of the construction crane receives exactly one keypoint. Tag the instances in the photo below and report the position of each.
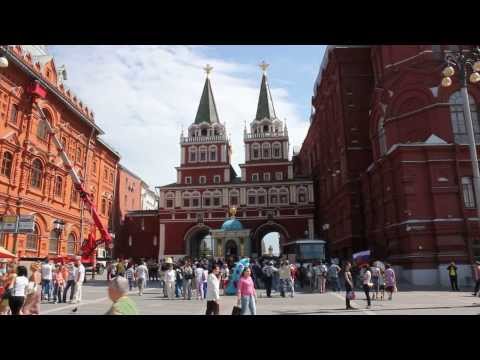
(89, 245)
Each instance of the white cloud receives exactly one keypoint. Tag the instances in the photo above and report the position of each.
(142, 95)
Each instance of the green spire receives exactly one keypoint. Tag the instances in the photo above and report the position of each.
(265, 107)
(207, 110)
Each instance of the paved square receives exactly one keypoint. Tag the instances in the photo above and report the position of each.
(96, 302)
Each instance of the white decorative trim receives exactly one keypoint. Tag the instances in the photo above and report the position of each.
(290, 172)
(266, 164)
(161, 248)
(184, 150)
(226, 174)
(224, 153)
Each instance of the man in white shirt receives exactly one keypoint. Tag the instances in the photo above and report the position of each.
(141, 275)
(79, 279)
(47, 270)
(213, 292)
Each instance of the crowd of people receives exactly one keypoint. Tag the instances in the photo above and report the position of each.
(202, 279)
(48, 282)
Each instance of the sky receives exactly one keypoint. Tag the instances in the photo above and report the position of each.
(142, 96)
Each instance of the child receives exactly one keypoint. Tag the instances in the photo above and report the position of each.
(58, 283)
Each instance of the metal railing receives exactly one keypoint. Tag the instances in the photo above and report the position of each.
(202, 139)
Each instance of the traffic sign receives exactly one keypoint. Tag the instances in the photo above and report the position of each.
(9, 224)
(26, 223)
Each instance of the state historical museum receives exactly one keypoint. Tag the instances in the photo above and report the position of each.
(194, 216)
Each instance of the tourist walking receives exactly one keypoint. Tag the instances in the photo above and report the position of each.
(19, 287)
(286, 281)
(333, 278)
(476, 272)
(367, 285)
(178, 281)
(224, 276)
(323, 277)
(187, 281)
(58, 284)
(33, 294)
(452, 273)
(199, 281)
(79, 279)
(72, 273)
(118, 293)
(120, 269)
(170, 278)
(349, 289)
(9, 278)
(246, 295)
(47, 269)
(130, 276)
(375, 270)
(268, 273)
(213, 292)
(390, 281)
(141, 275)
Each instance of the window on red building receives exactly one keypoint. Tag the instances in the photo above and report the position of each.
(468, 193)
(36, 174)
(7, 164)
(14, 114)
(459, 126)
(58, 186)
(33, 239)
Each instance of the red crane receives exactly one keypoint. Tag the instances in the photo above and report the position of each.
(90, 244)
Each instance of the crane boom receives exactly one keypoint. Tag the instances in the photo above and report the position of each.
(89, 246)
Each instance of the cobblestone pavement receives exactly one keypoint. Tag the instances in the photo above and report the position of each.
(96, 302)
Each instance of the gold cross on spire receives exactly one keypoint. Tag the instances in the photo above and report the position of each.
(263, 65)
(208, 69)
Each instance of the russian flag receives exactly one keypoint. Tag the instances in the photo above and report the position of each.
(362, 257)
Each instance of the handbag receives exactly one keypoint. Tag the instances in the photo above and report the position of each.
(31, 288)
(351, 295)
(236, 310)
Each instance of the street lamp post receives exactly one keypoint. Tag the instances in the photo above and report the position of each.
(458, 60)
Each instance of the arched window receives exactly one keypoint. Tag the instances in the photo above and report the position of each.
(266, 151)
(36, 174)
(262, 197)
(207, 198)
(234, 197)
(58, 186)
(53, 242)
(382, 141)
(195, 199)
(104, 206)
(71, 244)
(217, 198)
(273, 194)
(42, 130)
(277, 150)
(32, 239)
(213, 153)
(256, 151)
(75, 195)
(186, 199)
(7, 164)
(202, 154)
(251, 197)
(204, 132)
(169, 200)
(302, 195)
(284, 196)
(457, 116)
(192, 154)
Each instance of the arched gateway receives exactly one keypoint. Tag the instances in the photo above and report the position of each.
(269, 195)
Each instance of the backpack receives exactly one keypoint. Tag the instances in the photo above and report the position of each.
(188, 273)
(179, 276)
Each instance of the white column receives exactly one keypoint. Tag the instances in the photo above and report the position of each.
(178, 198)
(247, 152)
(224, 153)
(310, 229)
(293, 193)
(179, 177)
(183, 155)
(285, 150)
(243, 196)
(227, 175)
(162, 199)
(244, 174)
(225, 197)
(310, 193)
(290, 172)
(161, 247)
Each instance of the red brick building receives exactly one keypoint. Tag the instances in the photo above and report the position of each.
(267, 195)
(403, 167)
(33, 178)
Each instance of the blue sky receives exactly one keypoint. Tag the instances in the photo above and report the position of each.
(143, 95)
